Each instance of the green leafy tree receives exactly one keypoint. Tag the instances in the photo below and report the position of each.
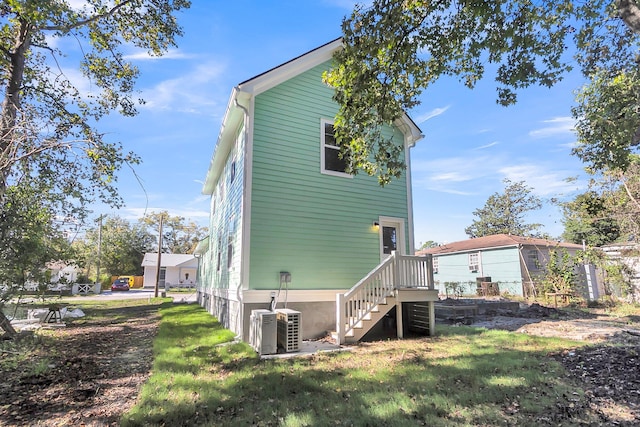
(560, 273)
(608, 119)
(587, 219)
(31, 238)
(179, 236)
(47, 124)
(122, 246)
(49, 140)
(429, 244)
(394, 49)
(504, 213)
(621, 191)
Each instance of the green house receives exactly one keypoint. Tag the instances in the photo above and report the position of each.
(288, 227)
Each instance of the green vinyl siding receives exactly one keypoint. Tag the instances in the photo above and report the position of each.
(318, 227)
(225, 223)
(501, 264)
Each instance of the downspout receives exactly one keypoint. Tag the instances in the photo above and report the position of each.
(239, 288)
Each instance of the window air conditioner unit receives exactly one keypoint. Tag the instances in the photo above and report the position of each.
(263, 331)
(289, 329)
(473, 268)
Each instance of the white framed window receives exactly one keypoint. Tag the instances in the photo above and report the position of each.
(435, 263)
(233, 171)
(229, 253)
(330, 161)
(474, 262)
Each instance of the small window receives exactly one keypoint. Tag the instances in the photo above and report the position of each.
(331, 163)
(219, 254)
(474, 262)
(532, 259)
(434, 260)
(233, 171)
(229, 255)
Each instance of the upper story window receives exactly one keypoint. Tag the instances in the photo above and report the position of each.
(233, 171)
(331, 163)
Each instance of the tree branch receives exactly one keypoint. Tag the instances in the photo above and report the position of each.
(67, 28)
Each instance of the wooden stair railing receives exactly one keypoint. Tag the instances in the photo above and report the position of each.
(355, 306)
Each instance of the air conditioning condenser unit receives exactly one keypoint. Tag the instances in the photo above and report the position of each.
(289, 329)
(263, 331)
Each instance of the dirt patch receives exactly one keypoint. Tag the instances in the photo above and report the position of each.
(608, 369)
(87, 373)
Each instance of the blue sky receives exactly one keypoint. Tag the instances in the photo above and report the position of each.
(471, 144)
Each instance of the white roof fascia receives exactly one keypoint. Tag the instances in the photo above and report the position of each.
(265, 81)
(409, 129)
(286, 71)
(226, 138)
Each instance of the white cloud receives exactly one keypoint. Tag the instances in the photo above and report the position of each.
(431, 114)
(569, 145)
(491, 144)
(191, 92)
(554, 127)
(143, 55)
(450, 177)
(543, 180)
(465, 176)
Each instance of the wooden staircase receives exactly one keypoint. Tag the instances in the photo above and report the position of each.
(368, 320)
(363, 306)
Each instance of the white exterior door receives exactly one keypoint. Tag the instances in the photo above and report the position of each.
(391, 236)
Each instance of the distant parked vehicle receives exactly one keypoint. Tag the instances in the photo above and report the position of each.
(120, 284)
(129, 280)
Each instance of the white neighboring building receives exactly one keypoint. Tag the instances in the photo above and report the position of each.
(627, 253)
(176, 270)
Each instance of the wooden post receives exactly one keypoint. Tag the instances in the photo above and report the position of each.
(432, 318)
(399, 326)
(340, 321)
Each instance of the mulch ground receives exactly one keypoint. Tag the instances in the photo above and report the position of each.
(85, 374)
(89, 373)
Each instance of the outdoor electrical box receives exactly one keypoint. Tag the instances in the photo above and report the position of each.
(263, 331)
(289, 329)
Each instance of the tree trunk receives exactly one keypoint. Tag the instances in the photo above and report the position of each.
(6, 326)
(630, 14)
(11, 103)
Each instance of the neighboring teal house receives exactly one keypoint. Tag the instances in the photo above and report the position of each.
(510, 263)
(288, 225)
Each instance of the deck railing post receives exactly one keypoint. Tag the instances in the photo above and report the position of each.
(429, 278)
(340, 318)
(396, 270)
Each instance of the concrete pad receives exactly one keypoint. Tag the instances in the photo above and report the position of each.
(308, 348)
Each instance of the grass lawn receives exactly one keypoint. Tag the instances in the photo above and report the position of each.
(462, 376)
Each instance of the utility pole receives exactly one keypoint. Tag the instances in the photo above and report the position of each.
(159, 254)
(99, 220)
